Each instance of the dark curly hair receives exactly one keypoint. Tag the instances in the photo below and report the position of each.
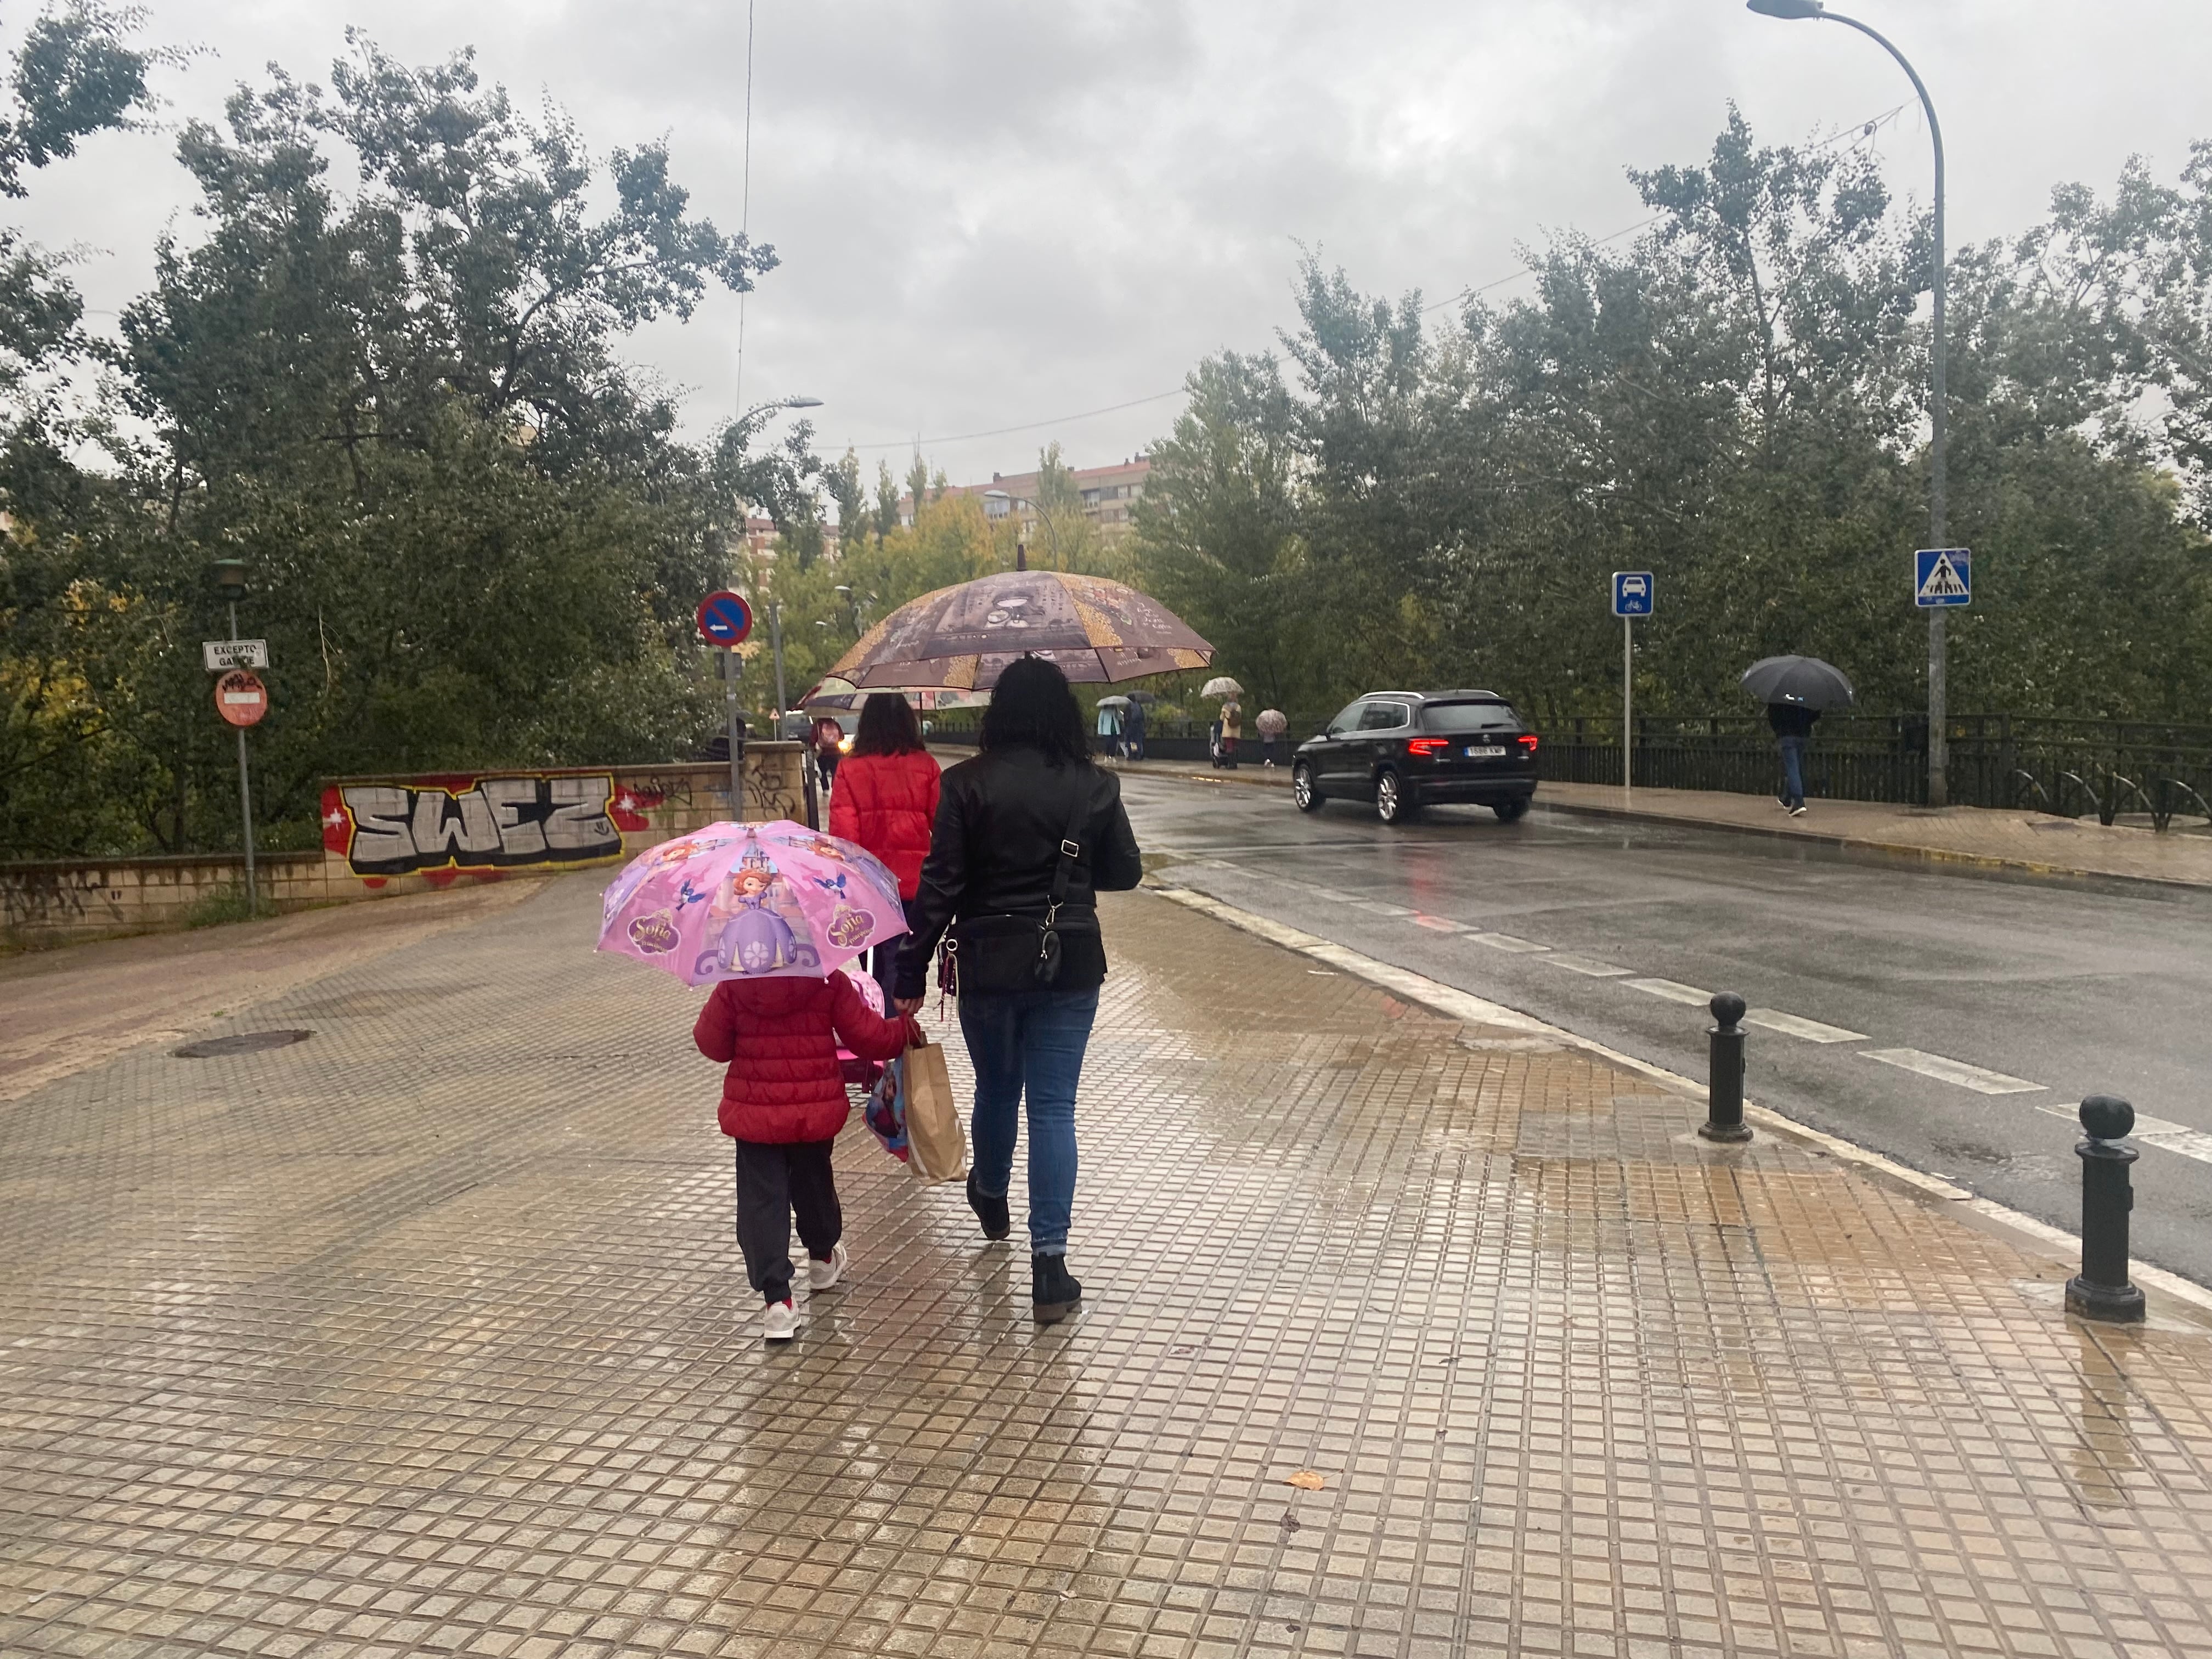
(1033, 705)
(887, 725)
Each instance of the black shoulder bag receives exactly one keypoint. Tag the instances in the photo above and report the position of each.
(1017, 953)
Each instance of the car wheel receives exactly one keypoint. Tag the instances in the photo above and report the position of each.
(1511, 812)
(1302, 788)
(1394, 800)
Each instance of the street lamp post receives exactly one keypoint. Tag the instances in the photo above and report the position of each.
(775, 607)
(1021, 552)
(775, 645)
(230, 582)
(1938, 744)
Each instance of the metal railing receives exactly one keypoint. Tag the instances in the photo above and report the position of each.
(2151, 773)
(2118, 771)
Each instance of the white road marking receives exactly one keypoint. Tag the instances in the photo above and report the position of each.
(1590, 965)
(1507, 942)
(2160, 1131)
(1441, 924)
(1668, 989)
(1378, 907)
(1952, 1071)
(1813, 1031)
(2175, 1138)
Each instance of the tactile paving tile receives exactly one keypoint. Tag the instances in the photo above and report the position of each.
(428, 1336)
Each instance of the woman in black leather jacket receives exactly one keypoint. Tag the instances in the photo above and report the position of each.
(1027, 833)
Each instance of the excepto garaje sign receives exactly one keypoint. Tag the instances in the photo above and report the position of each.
(219, 654)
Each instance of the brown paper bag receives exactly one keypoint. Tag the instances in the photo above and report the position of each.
(937, 1143)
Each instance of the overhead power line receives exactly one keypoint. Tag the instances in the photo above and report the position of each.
(1862, 130)
(1026, 426)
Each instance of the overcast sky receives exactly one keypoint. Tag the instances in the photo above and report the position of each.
(994, 215)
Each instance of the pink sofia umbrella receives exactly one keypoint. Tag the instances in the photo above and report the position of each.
(750, 900)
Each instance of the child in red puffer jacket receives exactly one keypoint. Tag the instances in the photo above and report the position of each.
(783, 1103)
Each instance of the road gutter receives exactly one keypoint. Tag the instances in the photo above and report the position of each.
(1463, 1005)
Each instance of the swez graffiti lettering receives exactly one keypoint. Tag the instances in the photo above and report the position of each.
(508, 822)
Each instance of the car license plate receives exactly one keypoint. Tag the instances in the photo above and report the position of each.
(1485, 751)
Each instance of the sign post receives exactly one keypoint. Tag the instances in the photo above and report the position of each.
(1633, 592)
(725, 620)
(1941, 577)
(241, 699)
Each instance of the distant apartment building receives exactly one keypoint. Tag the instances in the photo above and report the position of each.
(1107, 493)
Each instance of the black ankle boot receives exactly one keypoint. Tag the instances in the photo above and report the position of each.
(1054, 1291)
(991, 1212)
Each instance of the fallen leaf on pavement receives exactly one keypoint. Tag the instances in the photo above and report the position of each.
(1307, 1481)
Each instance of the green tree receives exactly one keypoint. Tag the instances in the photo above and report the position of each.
(475, 539)
(1217, 532)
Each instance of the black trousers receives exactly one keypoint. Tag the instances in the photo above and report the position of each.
(775, 1183)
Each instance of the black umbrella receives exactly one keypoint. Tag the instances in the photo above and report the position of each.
(1805, 680)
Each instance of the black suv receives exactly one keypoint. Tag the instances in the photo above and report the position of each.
(1407, 750)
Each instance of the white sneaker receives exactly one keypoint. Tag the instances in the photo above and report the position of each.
(821, 1275)
(1796, 811)
(780, 1323)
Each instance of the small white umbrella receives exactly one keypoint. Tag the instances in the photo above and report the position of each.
(1221, 686)
(1272, 723)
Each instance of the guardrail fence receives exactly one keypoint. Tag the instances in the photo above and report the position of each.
(2118, 771)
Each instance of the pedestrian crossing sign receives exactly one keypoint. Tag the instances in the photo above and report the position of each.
(1942, 575)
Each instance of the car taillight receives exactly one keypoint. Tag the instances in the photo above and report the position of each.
(1427, 745)
(1527, 743)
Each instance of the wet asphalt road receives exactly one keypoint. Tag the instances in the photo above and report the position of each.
(2074, 988)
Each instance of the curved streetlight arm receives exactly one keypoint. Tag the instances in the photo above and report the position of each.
(759, 409)
(1021, 560)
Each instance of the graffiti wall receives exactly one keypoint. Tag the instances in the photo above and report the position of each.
(509, 821)
(386, 836)
(434, 829)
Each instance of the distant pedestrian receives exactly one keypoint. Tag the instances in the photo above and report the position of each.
(1133, 732)
(783, 1103)
(828, 749)
(1793, 724)
(1232, 731)
(1028, 834)
(1109, 730)
(886, 801)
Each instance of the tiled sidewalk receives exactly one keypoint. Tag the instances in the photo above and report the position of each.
(428, 1335)
(2031, 842)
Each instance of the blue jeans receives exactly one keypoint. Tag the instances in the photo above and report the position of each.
(1793, 771)
(1030, 1040)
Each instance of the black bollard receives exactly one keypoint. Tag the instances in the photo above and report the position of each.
(2101, 1289)
(1725, 1073)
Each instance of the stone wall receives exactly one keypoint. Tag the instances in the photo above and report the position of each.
(410, 833)
(61, 903)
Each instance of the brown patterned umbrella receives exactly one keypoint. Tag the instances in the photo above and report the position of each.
(963, 636)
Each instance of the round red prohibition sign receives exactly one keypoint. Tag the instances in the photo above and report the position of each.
(241, 697)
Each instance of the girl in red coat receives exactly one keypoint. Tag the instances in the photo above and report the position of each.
(783, 1102)
(886, 800)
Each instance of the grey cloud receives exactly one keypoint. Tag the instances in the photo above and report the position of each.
(992, 212)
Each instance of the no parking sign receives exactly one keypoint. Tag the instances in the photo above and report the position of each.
(725, 618)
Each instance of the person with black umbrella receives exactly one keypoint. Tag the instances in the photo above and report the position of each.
(1793, 724)
(1795, 690)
